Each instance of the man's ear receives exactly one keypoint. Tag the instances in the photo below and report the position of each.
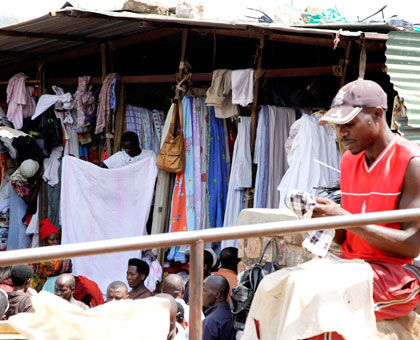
(143, 277)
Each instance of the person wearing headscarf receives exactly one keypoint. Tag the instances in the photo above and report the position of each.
(50, 236)
(26, 182)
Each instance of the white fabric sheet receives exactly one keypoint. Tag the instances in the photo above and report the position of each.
(243, 86)
(103, 204)
(240, 177)
(307, 141)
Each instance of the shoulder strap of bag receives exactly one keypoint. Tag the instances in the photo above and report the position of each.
(274, 243)
(23, 304)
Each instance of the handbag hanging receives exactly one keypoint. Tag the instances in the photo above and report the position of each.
(171, 157)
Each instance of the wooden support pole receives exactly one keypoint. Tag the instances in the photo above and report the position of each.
(43, 191)
(111, 48)
(182, 60)
(255, 109)
(346, 63)
(103, 61)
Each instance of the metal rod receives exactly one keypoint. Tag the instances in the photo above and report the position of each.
(209, 235)
(196, 289)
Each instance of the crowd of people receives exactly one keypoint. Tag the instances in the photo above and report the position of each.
(219, 281)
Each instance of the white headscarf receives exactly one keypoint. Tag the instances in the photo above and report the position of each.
(26, 170)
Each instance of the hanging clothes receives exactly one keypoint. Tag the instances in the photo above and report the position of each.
(163, 188)
(139, 120)
(218, 178)
(18, 239)
(84, 101)
(261, 159)
(65, 101)
(309, 141)
(243, 87)
(195, 115)
(104, 109)
(240, 176)
(279, 122)
(204, 158)
(182, 212)
(20, 102)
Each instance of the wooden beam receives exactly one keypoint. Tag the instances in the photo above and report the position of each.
(103, 61)
(51, 36)
(206, 77)
(181, 62)
(290, 38)
(345, 65)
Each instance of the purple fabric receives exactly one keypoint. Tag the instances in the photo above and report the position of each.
(197, 162)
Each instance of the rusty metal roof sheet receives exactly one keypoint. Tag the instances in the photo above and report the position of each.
(73, 28)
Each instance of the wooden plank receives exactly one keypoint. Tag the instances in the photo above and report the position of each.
(300, 72)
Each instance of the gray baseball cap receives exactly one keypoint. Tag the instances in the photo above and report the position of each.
(352, 98)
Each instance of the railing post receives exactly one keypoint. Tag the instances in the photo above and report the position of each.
(196, 289)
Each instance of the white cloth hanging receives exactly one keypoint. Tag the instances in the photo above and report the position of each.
(103, 204)
(307, 141)
(240, 177)
(51, 165)
(47, 100)
(243, 86)
(279, 121)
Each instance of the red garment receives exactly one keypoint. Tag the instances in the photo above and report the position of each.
(93, 289)
(374, 188)
(46, 228)
(7, 285)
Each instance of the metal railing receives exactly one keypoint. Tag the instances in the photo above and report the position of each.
(196, 240)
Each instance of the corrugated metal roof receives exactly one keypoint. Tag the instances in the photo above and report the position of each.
(403, 64)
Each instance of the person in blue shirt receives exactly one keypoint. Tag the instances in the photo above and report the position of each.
(218, 323)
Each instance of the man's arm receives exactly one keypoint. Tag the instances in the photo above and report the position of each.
(401, 243)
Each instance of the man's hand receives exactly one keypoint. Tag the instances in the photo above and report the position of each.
(326, 207)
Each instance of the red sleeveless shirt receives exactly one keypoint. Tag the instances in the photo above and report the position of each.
(373, 188)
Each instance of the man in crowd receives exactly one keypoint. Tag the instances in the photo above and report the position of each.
(175, 330)
(218, 323)
(116, 291)
(19, 300)
(379, 172)
(131, 152)
(229, 266)
(174, 286)
(64, 288)
(137, 272)
(207, 267)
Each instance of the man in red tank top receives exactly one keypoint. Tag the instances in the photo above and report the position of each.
(379, 172)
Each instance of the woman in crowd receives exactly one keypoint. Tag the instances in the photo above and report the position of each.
(25, 184)
(137, 272)
(50, 236)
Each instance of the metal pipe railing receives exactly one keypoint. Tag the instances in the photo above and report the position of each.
(196, 240)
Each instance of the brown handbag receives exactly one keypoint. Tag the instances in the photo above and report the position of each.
(171, 157)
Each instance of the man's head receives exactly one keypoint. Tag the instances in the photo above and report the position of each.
(21, 276)
(172, 314)
(229, 258)
(210, 260)
(64, 286)
(117, 290)
(174, 286)
(130, 143)
(215, 290)
(359, 111)
(137, 272)
(180, 315)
